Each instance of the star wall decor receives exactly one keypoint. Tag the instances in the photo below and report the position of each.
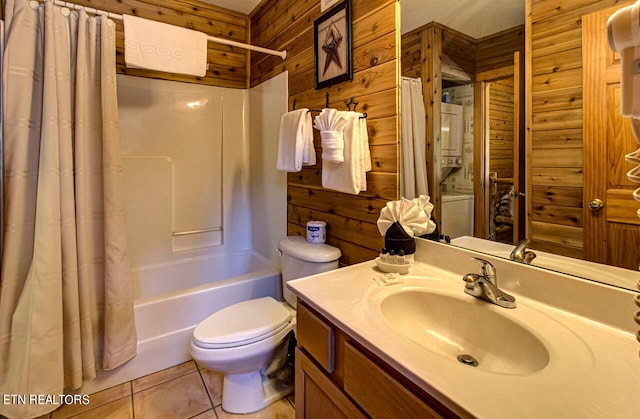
(333, 46)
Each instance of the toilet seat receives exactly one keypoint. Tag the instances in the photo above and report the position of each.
(242, 323)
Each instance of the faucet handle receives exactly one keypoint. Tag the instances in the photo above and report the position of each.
(521, 254)
(471, 279)
(529, 256)
(488, 270)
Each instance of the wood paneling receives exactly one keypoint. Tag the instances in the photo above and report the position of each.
(227, 65)
(623, 236)
(621, 207)
(371, 386)
(555, 121)
(501, 112)
(496, 50)
(288, 24)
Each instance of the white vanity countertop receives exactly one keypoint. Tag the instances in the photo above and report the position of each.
(594, 367)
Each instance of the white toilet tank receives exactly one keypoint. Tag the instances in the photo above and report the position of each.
(301, 258)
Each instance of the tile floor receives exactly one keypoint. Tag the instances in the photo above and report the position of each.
(183, 391)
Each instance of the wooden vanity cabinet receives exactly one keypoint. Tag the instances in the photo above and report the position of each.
(338, 378)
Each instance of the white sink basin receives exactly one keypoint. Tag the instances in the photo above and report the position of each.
(436, 316)
(464, 330)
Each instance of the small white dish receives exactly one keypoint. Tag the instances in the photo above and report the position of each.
(402, 269)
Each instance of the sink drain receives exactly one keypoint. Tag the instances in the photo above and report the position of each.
(467, 359)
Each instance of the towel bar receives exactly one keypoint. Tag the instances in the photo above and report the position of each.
(204, 230)
(281, 54)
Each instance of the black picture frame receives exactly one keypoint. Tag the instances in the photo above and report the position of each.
(333, 46)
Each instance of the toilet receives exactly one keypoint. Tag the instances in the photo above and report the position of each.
(245, 340)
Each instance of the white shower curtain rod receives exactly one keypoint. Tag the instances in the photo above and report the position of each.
(281, 54)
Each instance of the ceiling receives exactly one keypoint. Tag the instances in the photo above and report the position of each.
(242, 6)
(475, 18)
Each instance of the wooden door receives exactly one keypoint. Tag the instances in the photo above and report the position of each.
(502, 153)
(519, 204)
(611, 226)
(501, 146)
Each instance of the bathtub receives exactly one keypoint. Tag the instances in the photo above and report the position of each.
(171, 299)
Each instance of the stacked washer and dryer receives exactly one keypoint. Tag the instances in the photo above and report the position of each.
(457, 215)
(457, 209)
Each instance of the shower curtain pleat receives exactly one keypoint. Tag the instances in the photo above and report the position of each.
(413, 182)
(1, 147)
(66, 306)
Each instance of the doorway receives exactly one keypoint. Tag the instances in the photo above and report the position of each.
(500, 208)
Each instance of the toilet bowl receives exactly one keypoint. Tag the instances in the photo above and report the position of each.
(240, 341)
(247, 341)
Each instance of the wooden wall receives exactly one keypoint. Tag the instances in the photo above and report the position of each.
(288, 24)
(227, 65)
(501, 108)
(554, 122)
(495, 51)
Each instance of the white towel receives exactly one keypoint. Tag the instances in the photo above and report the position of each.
(295, 144)
(158, 46)
(404, 211)
(366, 153)
(332, 146)
(350, 176)
(331, 125)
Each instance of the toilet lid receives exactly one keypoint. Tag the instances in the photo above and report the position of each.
(242, 323)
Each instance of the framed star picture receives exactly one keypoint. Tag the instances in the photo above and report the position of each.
(332, 40)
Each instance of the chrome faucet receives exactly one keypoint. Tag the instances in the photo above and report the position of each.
(521, 254)
(485, 286)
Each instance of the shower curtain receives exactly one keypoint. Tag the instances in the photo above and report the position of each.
(66, 306)
(413, 181)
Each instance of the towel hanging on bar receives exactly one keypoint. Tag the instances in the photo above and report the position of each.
(158, 46)
(281, 54)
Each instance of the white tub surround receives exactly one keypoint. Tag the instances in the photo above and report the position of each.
(167, 311)
(585, 362)
(194, 227)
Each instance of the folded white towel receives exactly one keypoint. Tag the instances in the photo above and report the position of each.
(331, 125)
(158, 46)
(350, 176)
(308, 150)
(295, 144)
(424, 203)
(366, 153)
(330, 120)
(414, 216)
(332, 146)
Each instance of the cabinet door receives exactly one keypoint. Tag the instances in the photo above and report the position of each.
(451, 129)
(317, 396)
(379, 394)
(316, 336)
